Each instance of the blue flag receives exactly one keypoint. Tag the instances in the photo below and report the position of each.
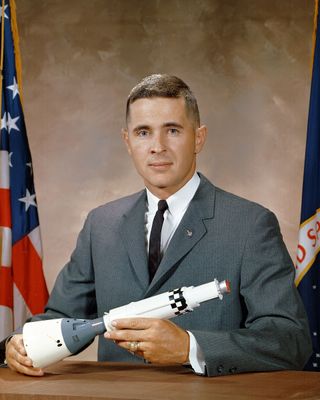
(308, 258)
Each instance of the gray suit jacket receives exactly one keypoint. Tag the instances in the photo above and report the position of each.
(260, 326)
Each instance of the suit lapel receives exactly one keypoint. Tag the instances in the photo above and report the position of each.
(134, 239)
(189, 232)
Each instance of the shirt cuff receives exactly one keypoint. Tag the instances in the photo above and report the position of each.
(196, 357)
(3, 361)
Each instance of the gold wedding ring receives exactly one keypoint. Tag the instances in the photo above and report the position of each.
(133, 347)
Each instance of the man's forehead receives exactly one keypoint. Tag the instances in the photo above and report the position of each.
(157, 107)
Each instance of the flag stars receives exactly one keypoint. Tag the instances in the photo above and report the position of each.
(315, 334)
(5, 15)
(14, 87)
(10, 159)
(317, 355)
(9, 123)
(314, 287)
(29, 200)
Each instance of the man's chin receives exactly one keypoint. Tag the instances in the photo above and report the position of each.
(160, 185)
(157, 184)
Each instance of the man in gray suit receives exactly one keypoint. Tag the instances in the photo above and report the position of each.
(207, 233)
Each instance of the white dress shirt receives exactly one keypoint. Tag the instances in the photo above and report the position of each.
(177, 206)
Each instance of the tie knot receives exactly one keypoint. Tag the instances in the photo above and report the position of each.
(162, 206)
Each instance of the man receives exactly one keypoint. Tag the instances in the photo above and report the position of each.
(206, 234)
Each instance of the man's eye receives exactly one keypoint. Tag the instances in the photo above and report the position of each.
(173, 131)
(143, 133)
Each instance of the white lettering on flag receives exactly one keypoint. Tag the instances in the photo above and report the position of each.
(309, 245)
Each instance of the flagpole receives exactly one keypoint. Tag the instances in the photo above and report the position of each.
(2, 51)
(1, 80)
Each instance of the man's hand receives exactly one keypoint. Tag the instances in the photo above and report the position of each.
(17, 360)
(157, 341)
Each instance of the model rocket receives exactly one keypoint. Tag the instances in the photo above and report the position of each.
(49, 341)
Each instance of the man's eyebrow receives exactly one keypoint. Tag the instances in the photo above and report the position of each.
(139, 127)
(174, 124)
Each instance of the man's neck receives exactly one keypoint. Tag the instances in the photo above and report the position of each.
(165, 192)
(160, 195)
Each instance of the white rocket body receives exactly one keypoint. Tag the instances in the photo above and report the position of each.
(170, 304)
(49, 341)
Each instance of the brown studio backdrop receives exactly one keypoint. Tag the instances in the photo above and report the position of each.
(247, 61)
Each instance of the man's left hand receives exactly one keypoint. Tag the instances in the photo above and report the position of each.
(157, 341)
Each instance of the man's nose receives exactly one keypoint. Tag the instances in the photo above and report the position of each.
(158, 143)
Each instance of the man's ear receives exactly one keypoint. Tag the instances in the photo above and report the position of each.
(125, 137)
(201, 135)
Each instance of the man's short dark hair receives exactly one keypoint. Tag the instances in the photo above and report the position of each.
(163, 85)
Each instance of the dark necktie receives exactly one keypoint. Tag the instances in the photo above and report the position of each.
(155, 239)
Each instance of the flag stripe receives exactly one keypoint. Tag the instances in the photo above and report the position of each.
(5, 209)
(21, 311)
(28, 275)
(6, 319)
(4, 170)
(5, 248)
(35, 238)
(6, 291)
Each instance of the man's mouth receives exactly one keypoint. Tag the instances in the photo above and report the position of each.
(160, 164)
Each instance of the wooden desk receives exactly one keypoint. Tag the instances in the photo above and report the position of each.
(71, 380)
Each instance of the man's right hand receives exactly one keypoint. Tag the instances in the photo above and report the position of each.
(17, 359)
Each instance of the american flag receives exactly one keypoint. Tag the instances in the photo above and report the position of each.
(23, 290)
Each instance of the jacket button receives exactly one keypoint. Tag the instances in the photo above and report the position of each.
(220, 369)
(233, 370)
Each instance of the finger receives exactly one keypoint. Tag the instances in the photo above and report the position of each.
(16, 355)
(15, 351)
(125, 345)
(23, 360)
(22, 364)
(132, 346)
(133, 323)
(16, 343)
(126, 335)
(20, 347)
(13, 357)
(26, 370)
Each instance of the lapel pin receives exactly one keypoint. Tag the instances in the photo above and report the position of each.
(189, 232)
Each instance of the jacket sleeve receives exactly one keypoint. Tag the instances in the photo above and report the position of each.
(275, 333)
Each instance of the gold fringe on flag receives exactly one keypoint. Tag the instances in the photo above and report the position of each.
(16, 46)
(314, 34)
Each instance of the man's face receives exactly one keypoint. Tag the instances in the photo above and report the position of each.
(163, 143)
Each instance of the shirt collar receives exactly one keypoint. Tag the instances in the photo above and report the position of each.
(179, 201)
